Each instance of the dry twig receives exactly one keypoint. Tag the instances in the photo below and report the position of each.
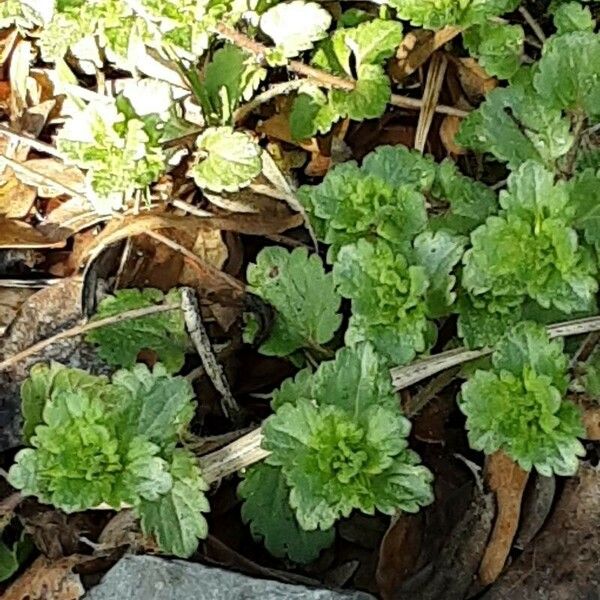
(199, 336)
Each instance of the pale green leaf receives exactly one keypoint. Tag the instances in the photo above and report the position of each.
(175, 519)
(225, 160)
(295, 26)
(572, 16)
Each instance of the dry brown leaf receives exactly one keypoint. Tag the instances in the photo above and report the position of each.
(591, 422)
(54, 169)
(209, 246)
(507, 480)
(11, 300)
(16, 234)
(448, 131)
(48, 580)
(416, 48)
(399, 552)
(475, 81)
(16, 198)
(130, 226)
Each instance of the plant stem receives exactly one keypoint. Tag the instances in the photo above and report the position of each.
(322, 77)
(84, 328)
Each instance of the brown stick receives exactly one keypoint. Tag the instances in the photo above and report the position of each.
(322, 77)
(84, 328)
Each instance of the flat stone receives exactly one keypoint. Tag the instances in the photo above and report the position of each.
(152, 578)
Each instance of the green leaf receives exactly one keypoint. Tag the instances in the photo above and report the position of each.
(518, 408)
(498, 47)
(399, 166)
(469, 202)
(388, 300)
(482, 322)
(295, 26)
(267, 509)
(160, 406)
(368, 99)
(516, 124)
(102, 442)
(226, 160)
(303, 295)
(312, 113)
(528, 345)
(373, 42)
(584, 190)
(163, 333)
(438, 253)
(12, 558)
(571, 16)
(561, 84)
(334, 464)
(230, 76)
(352, 203)
(175, 519)
(530, 250)
(435, 14)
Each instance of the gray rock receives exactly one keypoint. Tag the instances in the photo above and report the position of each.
(152, 578)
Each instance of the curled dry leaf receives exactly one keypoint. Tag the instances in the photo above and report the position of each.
(48, 580)
(537, 503)
(507, 480)
(54, 170)
(416, 48)
(16, 234)
(399, 552)
(448, 130)
(10, 301)
(16, 198)
(474, 80)
(591, 421)
(562, 561)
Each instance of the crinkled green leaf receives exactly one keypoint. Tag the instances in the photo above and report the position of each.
(351, 203)
(572, 16)
(531, 250)
(303, 295)
(435, 14)
(388, 297)
(120, 149)
(481, 323)
(160, 407)
(101, 442)
(567, 74)
(398, 166)
(468, 202)
(517, 408)
(163, 333)
(267, 510)
(226, 160)
(341, 451)
(516, 124)
(175, 519)
(77, 462)
(497, 46)
(369, 97)
(295, 26)
(438, 253)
